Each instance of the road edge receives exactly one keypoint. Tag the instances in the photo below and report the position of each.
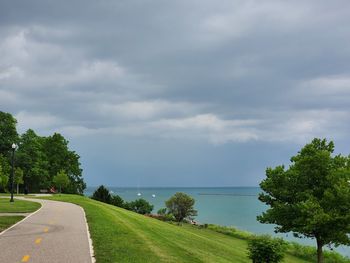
(91, 247)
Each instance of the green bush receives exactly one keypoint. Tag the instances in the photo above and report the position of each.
(265, 249)
(140, 206)
(117, 201)
(102, 194)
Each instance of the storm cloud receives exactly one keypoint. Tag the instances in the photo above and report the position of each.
(228, 76)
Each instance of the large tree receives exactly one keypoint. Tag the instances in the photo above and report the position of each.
(310, 198)
(32, 159)
(60, 157)
(8, 132)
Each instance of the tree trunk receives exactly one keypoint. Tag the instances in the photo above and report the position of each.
(319, 251)
(17, 188)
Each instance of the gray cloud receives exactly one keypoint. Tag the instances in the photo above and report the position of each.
(199, 71)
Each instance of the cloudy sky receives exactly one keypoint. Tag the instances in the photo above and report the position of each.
(178, 93)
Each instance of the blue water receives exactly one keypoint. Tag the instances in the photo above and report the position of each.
(227, 206)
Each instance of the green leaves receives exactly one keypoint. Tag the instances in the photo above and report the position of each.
(265, 249)
(181, 206)
(311, 197)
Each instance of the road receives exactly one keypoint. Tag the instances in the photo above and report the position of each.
(55, 233)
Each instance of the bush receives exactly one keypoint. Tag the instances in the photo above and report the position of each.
(265, 249)
(102, 194)
(117, 201)
(140, 206)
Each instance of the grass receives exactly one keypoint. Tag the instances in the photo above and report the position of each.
(122, 236)
(7, 221)
(18, 206)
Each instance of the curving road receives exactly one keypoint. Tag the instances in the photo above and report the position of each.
(55, 233)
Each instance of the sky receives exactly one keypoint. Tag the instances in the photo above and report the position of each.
(178, 93)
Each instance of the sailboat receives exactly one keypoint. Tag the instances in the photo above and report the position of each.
(138, 188)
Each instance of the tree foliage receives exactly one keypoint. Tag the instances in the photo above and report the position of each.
(40, 158)
(8, 132)
(102, 194)
(265, 249)
(312, 197)
(181, 206)
(18, 178)
(140, 206)
(116, 200)
(61, 180)
(3, 179)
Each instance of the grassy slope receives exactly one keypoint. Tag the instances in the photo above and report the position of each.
(18, 206)
(123, 236)
(7, 221)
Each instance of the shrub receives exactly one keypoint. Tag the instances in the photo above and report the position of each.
(265, 249)
(102, 194)
(117, 201)
(140, 206)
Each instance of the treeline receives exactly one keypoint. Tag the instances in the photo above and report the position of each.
(179, 207)
(140, 206)
(38, 160)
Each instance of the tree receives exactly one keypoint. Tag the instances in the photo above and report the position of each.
(18, 179)
(8, 132)
(140, 206)
(4, 179)
(265, 249)
(116, 200)
(312, 197)
(61, 180)
(32, 159)
(181, 206)
(60, 157)
(102, 194)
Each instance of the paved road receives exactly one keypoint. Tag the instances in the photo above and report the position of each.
(56, 233)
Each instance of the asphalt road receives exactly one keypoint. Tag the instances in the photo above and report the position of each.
(55, 233)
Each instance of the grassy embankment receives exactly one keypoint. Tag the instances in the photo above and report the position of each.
(19, 206)
(122, 236)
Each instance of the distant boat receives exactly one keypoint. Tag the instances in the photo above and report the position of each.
(139, 194)
(153, 195)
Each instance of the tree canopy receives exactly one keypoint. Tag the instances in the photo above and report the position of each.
(8, 132)
(181, 206)
(61, 180)
(311, 197)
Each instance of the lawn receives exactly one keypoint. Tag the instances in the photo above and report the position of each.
(18, 206)
(122, 236)
(7, 221)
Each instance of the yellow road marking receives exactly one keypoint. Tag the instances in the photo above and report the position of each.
(26, 258)
(38, 240)
(46, 229)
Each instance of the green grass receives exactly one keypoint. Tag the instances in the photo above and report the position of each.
(7, 221)
(122, 236)
(18, 206)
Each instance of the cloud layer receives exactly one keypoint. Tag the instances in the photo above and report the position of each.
(197, 71)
